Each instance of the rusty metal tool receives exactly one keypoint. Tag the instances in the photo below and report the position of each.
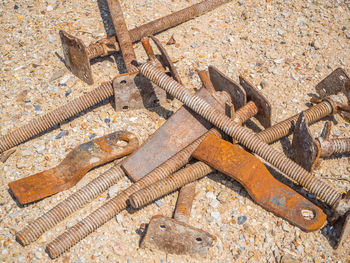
(143, 93)
(77, 55)
(308, 150)
(248, 139)
(242, 166)
(76, 164)
(175, 235)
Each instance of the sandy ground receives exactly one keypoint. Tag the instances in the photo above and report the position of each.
(284, 47)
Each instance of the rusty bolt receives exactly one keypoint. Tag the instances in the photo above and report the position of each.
(243, 135)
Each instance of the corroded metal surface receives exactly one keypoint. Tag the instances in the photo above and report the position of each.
(181, 129)
(306, 150)
(76, 164)
(184, 202)
(133, 91)
(175, 237)
(267, 191)
(263, 105)
(223, 83)
(76, 57)
(336, 82)
(122, 33)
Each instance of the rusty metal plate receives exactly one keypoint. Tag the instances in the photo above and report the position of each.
(306, 150)
(267, 191)
(76, 57)
(223, 83)
(333, 84)
(76, 164)
(175, 237)
(264, 107)
(166, 60)
(345, 232)
(133, 91)
(180, 130)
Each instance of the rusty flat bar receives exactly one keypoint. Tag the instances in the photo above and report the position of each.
(124, 39)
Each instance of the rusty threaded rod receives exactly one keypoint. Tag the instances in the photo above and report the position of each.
(246, 137)
(184, 202)
(333, 146)
(89, 192)
(284, 128)
(122, 33)
(119, 202)
(62, 113)
(169, 184)
(159, 25)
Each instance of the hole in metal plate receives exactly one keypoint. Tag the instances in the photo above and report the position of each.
(307, 214)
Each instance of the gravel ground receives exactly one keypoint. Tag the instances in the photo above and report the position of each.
(284, 47)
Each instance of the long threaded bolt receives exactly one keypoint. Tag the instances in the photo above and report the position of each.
(246, 112)
(169, 184)
(243, 135)
(119, 202)
(42, 123)
(156, 26)
(89, 192)
(285, 127)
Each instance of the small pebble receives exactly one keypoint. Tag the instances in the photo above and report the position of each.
(113, 191)
(215, 215)
(61, 134)
(67, 92)
(91, 136)
(159, 203)
(210, 195)
(37, 107)
(241, 220)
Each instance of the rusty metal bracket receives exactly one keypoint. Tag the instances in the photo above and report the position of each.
(223, 83)
(336, 82)
(76, 164)
(263, 105)
(267, 191)
(76, 57)
(174, 237)
(306, 149)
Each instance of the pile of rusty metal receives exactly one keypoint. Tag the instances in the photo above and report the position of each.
(188, 146)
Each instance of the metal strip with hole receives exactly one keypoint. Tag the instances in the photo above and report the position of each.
(267, 191)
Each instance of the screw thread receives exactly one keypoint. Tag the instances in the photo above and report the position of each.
(341, 145)
(246, 112)
(90, 191)
(184, 202)
(243, 135)
(42, 123)
(169, 184)
(285, 127)
(119, 203)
